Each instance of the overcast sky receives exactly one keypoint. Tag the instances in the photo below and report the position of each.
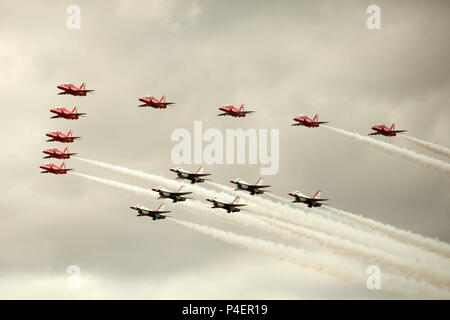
(282, 59)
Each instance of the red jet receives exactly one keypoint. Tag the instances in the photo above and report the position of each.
(73, 89)
(58, 154)
(233, 111)
(154, 102)
(53, 168)
(66, 114)
(308, 122)
(58, 136)
(385, 131)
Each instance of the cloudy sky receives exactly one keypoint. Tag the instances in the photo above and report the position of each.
(282, 59)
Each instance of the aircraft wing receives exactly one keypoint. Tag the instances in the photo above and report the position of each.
(301, 198)
(200, 174)
(181, 193)
(236, 204)
(260, 186)
(321, 122)
(84, 90)
(374, 133)
(399, 131)
(160, 212)
(247, 112)
(318, 200)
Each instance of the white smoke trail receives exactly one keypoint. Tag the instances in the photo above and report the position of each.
(197, 206)
(118, 185)
(401, 235)
(434, 147)
(407, 267)
(279, 198)
(283, 211)
(421, 159)
(286, 212)
(321, 262)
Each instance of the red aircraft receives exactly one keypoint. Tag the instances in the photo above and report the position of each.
(53, 168)
(385, 131)
(154, 102)
(58, 136)
(58, 154)
(66, 114)
(233, 111)
(73, 89)
(308, 122)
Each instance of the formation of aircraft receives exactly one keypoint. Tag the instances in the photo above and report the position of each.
(73, 89)
(233, 111)
(232, 206)
(58, 154)
(58, 136)
(157, 214)
(314, 201)
(153, 102)
(194, 177)
(53, 168)
(252, 188)
(66, 114)
(174, 195)
(385, 131)
(308, 122)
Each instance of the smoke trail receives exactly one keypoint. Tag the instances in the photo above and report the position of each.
(279, 198)
(283, 212)
(401, 235)
(320, 262)
(193, 204)
(118, 185)
(407, 267)
(424, 160)
(434, 147)
(132, 173)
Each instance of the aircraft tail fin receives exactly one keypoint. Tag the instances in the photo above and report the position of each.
(70, 133)
(63, 166)
(179, 189)
(317, 195)
(161, 207)
(66, 149)
(260, 180)
(74, 109)
(393, 126)
(242, 107)
(236, 200)
(163, 98)
(199, 170)
(316, 117)
(83, 85)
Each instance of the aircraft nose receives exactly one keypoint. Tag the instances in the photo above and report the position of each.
(132, 207)
(154, 189)
(232, 181)
(173, 170)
